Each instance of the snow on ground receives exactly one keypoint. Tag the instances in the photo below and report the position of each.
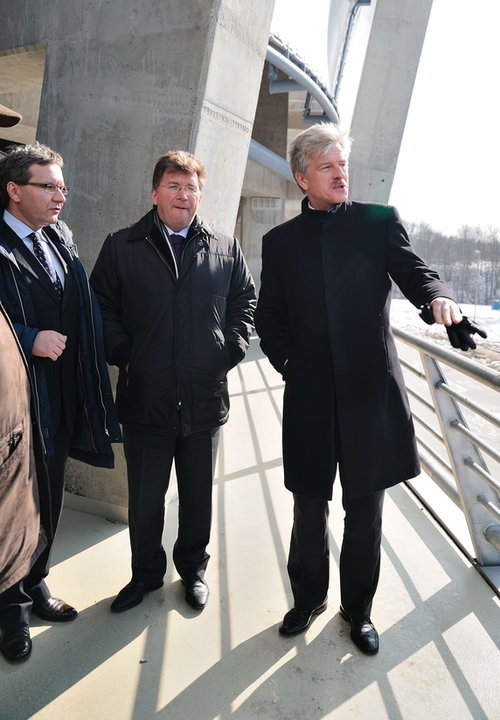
(405, 316)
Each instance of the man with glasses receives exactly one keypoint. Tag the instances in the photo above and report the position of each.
(177, 302)
(45, 291)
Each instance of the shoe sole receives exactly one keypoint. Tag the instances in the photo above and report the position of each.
(51, 619)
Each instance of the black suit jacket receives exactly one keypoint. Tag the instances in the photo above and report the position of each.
(52, 313)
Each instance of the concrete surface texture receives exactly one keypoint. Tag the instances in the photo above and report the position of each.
(125, 82)
(438, 620)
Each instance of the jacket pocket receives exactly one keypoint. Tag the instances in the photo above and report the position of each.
(12, 448)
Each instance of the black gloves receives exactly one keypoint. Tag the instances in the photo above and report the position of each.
(459, 334)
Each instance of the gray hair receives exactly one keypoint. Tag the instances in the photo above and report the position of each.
(15, 166)
(316, 140)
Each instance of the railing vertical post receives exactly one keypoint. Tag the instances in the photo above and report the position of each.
(463, 454)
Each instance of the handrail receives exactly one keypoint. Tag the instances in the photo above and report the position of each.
(469, 367)
(466, 480)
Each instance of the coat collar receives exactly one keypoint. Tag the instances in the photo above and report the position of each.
(306, 210)
(146, 225)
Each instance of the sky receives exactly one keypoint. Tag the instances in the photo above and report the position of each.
(449, 162)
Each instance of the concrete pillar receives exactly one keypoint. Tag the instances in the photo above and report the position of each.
(384, 95)
(123, 84)
(258, 214)
(263, 193)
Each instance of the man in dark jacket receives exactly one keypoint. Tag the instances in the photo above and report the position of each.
(45, 291)
(323, 320)
(177, 303)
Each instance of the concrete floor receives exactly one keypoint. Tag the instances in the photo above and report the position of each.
(439, 622)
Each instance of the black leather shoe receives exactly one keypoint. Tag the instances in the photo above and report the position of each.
(54, 610)
(363, 634)
(15, 645)
(197, 593)
(133, 594)
(296, 620)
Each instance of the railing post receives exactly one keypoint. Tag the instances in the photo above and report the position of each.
(474, 491)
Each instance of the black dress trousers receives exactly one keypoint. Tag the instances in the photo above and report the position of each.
(149, 462)
(309, 557)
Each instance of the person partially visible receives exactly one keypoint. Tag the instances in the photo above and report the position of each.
(44, 289)
(25, 522)
(9, 117)
(177, 302)
(323, 320)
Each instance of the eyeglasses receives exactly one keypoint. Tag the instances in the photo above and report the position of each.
(175, 189)
(49, 187)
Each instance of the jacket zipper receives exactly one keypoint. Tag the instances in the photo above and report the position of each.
(96, 366)
(176, 276)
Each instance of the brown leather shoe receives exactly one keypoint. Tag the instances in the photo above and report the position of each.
(15, 645)
(54, 610)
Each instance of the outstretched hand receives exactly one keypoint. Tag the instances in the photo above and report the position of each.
(460, 333)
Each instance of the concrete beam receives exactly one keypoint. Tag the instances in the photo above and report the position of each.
(384, 95)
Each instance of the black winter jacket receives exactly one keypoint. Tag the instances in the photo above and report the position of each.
(177, 333)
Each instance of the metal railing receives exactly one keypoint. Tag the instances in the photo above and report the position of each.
(451, 447)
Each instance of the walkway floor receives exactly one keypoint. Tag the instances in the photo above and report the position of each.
(438, 620)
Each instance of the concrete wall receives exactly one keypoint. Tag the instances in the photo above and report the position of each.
(125, 82)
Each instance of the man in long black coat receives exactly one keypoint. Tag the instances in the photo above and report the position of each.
(323, 320)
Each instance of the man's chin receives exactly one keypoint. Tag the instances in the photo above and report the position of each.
(340, 196)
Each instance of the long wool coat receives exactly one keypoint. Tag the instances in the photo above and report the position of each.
(323, 320)
(25, 521)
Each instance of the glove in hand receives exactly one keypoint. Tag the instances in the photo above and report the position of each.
(459, 334)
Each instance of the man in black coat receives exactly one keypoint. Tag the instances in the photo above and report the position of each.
(323, 320)
(177, 302)
(44, 289)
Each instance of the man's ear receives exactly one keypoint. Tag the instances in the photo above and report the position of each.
(301, 181)
(14, 191)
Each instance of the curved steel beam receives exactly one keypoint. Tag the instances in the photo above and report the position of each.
(280, 61)
(270, 160)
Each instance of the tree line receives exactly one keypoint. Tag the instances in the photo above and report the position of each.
(469, 261)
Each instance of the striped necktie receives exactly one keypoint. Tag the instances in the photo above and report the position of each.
(177, 242)
(44, 258)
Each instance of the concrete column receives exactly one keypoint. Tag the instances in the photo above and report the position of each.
(258, 214)
(384, 95)
(263, 192)
(123, 84)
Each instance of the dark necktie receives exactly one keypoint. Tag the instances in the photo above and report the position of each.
(44, 258)
(177, 242)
